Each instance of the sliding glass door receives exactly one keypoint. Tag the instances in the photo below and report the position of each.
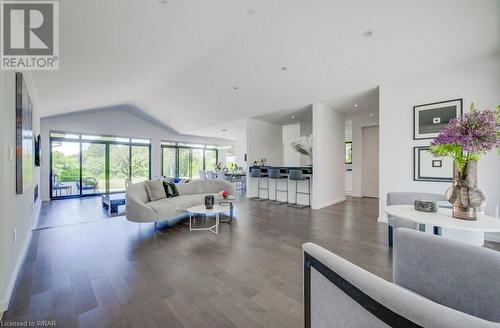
(65, 172)
(169, 161)
(196, 162)
(83, 165)
(93, 168)
(210, 159)
(140, 164)
(184, 167)
(119, 167)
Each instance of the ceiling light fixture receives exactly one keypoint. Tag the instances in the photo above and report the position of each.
(368, 33)
(163, 2)
(293, 116)
(283, 68)
(356, 105)
(250, 12)
(223, 130)
(235, 88)
(371, 114)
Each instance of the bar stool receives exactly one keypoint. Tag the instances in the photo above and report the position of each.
(296, 175)
(257, 173)
(275, 174)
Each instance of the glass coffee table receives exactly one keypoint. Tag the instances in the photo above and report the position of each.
(201, 209)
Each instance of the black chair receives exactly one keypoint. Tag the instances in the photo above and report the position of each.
(275, 174)
(257, 173)
(296, 175)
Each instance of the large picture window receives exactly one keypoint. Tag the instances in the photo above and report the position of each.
(185, 161)
(82, 165)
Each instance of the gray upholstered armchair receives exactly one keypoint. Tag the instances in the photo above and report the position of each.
(437, 283)
(406, 198)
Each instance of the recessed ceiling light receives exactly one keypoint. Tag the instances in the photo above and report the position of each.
(250, 12)
(223, 130)
(235, 88)
(293, 116)
(371, 114)
(283, 68)
(356, 105)
(368, 33)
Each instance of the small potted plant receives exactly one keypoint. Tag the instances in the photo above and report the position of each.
(465, 140)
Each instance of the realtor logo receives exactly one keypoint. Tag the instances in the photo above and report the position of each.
(29, 35)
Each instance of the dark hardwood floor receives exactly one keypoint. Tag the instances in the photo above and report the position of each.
(71, 211)
(114, 273)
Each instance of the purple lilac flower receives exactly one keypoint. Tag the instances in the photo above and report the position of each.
(476, 132)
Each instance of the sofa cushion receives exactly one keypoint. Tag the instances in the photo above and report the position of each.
(170, 189)
(155, 190)
(164, 209)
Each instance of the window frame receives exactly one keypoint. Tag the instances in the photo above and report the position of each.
(185, 145)
(54, 138)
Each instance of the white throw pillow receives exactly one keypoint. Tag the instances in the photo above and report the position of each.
(155, 190)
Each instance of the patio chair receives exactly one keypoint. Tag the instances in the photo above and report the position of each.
(88, 184)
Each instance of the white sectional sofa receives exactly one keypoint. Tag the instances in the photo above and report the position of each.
(139, 208)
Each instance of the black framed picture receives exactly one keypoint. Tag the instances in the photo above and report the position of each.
(430, 119)
(426, 167)
(348, 152)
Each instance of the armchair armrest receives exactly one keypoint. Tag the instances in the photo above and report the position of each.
(137, 211)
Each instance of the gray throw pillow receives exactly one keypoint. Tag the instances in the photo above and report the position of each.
(155, 190)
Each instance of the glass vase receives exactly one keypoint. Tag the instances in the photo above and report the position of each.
(464, 194)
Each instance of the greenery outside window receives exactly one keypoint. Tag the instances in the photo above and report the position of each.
(83, 164)
(348, 152)
(185, 160)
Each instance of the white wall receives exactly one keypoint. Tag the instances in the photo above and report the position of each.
(120, 122)
(264, 141)
(240, 149)
(290, 133)
(305, 130)
(477, 82)
(359, 120)
(328, 156)
(16, 211)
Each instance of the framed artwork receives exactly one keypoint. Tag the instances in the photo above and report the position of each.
(24, 136)
(429, 119)
(426, 167)
(348, 152)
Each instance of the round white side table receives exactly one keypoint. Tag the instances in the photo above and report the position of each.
(201, 209)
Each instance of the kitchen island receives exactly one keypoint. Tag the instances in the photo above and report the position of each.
(281, 184)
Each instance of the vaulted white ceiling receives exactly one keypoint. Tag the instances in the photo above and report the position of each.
(195, 63)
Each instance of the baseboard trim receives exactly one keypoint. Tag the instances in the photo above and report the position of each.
(492, 236)
(382, 219)
(12, 283)
(4, 306)
(355, 195)
(333, 202)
